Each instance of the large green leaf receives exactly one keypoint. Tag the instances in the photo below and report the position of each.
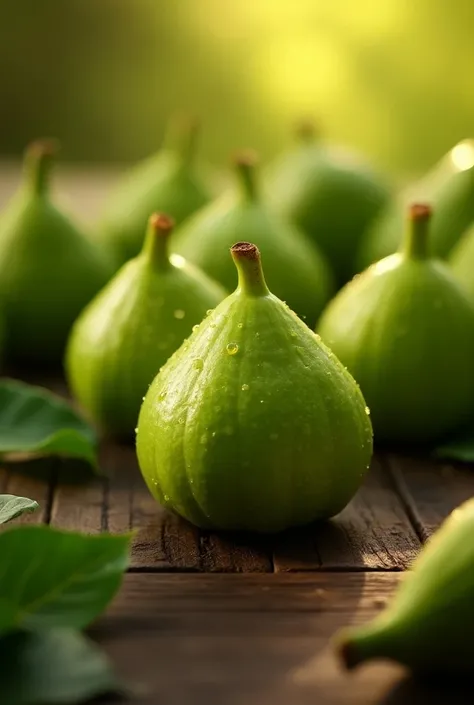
(52, 578)
(12, 507)
(57, 666)
(33, 420)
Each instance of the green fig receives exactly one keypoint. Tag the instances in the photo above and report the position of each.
(131, 328)
(253, 424)
(448, 188)
(296, 271)
(48, 269)
(169, 181)
(405, 330)
(461, 261)
(331, 194)
(429, 623)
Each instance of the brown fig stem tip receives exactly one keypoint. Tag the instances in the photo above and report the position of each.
(347, 653)
(161, 223)
(306, 130)
(245, 250)
(39, 158)
(420, 211)
(249, 267)
(155, 246)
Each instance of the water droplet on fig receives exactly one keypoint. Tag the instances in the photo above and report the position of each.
(166, 498)
(240, 325)
(367, 410)
(179, 313)
(196, 326)
(198, 363)
(181, 420)
(213, 434)
(162, 396)
(232, 348)
(209, 311)
(245, 387)
(136, 430)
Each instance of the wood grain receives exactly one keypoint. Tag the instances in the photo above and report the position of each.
(251, 640)
(430, 490)
(373, 533)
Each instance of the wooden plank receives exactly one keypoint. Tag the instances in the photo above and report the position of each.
(253, 639)
(430, 489)
(163, 541)
(372, 533)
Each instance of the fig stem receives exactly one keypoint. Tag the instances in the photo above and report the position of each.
(181, 137)
(415, 244)
(245, 164)
(249, 267)
(374, 640)
(39, 161)
(306, 131)
(156, 244)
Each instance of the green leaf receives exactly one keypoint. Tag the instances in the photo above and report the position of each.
(57, 666)
(33, 420)
(51, 578)
(461, 449)
(12, 507)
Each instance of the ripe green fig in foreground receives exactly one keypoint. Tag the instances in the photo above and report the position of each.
(428, 625)
(169, 181)
(331, 194)
(405, 330)
(48, 269)
(461, 261)
(253, 424)
(448, 188)
(132, 327)
(295, 270)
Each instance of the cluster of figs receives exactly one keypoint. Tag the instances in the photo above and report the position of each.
(245, 417)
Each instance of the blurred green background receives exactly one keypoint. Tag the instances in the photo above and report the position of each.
(391, 77)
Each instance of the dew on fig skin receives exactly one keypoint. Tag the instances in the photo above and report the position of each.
(166, 498)
(232, 348)
(203, 439)
(257, 335)
(367, 411)
(181, 420)
(213, 434)
(240, 325)
(198, 363)
(245, 387)
(161, 396)
(293, 334)
(209, 311)
(179, 313)
(196, 326)
(136, 430)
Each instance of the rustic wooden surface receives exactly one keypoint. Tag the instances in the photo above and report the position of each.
(210, 618)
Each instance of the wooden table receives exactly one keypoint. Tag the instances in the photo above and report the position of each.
(208, 618)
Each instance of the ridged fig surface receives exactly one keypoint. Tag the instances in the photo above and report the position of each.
(295, 270)
(253, 424)
(405, 330)
(331, 195)
(448, 188)
(49, 270)
(132, 327)
(169, 181)
(428, 624)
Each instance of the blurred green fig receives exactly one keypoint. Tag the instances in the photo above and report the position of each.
(170, 181)
(132, 327)
(296, 272)
(253, 424)
(49, 270)
(448, 188)
(461, 261)
(330, 193)
(428, 625)
(405, 330)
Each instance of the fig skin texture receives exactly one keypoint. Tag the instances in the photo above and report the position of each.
(132, 327)
(449, 188)
(169, 181)
(49, 270)
(428, 624)
(330, 194)
(405, 330)
(461, 262)
(253, 424)
(295, 270)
